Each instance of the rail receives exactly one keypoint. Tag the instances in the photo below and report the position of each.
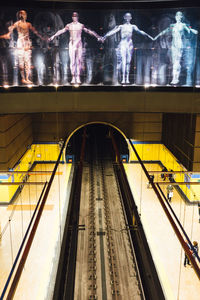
(64, 286)
(22, 244)
(179, 223)
(149, 277)
(174, 226)
(24, 255)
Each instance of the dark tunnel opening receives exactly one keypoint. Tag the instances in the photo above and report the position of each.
(101, 135)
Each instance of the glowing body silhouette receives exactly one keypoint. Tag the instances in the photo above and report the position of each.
(75, 45)
(126, 44)
(177, 31)
(24, 44)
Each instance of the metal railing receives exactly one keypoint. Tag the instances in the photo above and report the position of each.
(14, 276)
(170, 218)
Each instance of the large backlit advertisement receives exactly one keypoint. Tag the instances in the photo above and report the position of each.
(132, 47)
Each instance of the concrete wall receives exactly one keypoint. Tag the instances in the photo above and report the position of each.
(17, 131)
(179, 136)
(179, 132)
(139, 126)
(74, 100)
(146, 126)
(15, 136)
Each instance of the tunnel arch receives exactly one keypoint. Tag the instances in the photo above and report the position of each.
(97, 123)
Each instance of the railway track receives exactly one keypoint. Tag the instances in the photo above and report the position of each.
(104, 255)
(106, 267)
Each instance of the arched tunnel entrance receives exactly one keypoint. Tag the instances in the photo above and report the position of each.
(101, 209)
(100, 134)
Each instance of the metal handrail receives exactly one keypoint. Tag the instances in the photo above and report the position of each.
(175, 228)
(31, 236)
(65, 277)
(147, 271)
(22, 244)
(179, 223)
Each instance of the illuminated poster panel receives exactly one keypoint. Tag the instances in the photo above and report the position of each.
(42, 47)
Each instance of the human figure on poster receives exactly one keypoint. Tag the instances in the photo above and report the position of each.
(4, 62)
(75, 45)
(178, 31)
(48, 61)
(24, 44)
(126, 44)
(112, 61)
